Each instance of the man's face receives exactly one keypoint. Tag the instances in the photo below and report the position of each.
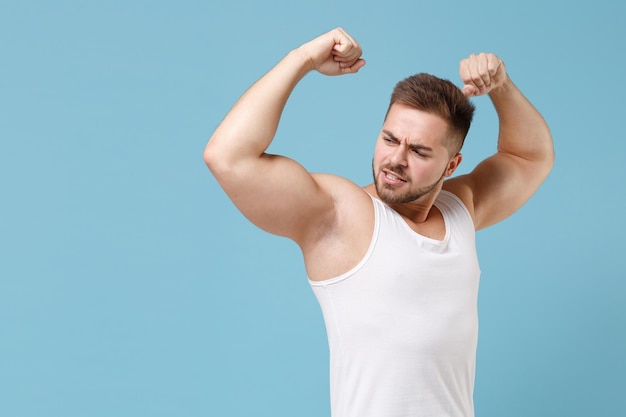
(410, 158)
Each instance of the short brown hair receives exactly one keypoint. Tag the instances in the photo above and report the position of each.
(441, 97)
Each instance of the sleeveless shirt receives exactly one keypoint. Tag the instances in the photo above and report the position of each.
(402, 325)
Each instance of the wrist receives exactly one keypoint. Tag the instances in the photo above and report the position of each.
(503, 89)
(303, 58)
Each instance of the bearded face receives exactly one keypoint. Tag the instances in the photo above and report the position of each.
(411, 159)
(390, 186)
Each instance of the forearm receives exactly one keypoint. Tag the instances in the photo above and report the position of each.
(250, 126)
(523, 131)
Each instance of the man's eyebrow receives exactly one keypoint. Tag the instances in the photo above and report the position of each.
(412, 146)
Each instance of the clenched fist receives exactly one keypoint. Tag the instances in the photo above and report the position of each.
(334, 53)
(481, 74)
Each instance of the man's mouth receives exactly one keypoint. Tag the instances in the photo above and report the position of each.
(392, 177)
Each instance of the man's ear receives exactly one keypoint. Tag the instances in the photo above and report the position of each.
(453, 164)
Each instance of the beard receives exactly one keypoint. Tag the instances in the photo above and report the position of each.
(388, 193)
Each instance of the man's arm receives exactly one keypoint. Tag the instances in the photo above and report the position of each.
(274, 192)
(502, 183)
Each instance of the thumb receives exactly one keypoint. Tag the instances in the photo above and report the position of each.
(355, 67)
(469, 90)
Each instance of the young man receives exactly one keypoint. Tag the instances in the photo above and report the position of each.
(393, 264)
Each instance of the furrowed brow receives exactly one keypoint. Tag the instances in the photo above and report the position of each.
(420, 148)
(390, 135)
(413, 147)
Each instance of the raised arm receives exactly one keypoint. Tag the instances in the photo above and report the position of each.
(502, 183)
(274, 192)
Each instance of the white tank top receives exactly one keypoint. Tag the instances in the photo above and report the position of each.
(402, 325)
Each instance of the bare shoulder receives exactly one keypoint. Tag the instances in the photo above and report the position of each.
(351, 203)
(337, 246)
(341, 189)
(461, 187)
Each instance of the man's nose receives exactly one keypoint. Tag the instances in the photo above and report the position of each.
(399, 155)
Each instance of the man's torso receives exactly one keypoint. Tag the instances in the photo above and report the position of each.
(340, 247)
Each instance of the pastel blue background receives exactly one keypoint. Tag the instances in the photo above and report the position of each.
(129, 284)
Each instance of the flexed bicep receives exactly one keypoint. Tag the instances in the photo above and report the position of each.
(277, 194)
(274, 192)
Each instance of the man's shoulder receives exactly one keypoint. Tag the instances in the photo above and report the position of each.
(352, 206)
(460, 187)
(339, 188)
(339, 243)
